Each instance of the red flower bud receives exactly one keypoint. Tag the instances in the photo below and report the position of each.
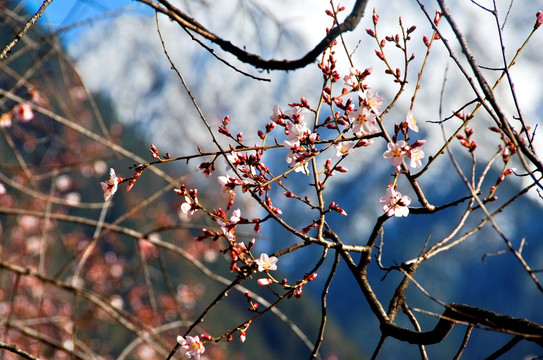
(539, 19)
(426, 40)
(375, 18)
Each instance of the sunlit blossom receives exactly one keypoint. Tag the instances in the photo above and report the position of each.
(396, 153)
(296, 132)
(228, 228)
(266, 263)
(394, 203)
(264, 281)
(191, 346)
(416, 154)
(372, 100)
(228, 182)
(296, 113)
(364, 121)
(411, 122)
(5, 120)
(189, 206)
(276, 115)
(110, 186)
(23, 112)
(344, 148)
(294, 158)
(351, 80)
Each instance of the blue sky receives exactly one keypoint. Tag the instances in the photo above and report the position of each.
(64, 13)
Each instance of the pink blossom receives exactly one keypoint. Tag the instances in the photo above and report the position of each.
(416, 154)
(2, 189)
(266, 263)
(344, 148)
(394, 203)
(296, 113)
(191, 346)
(5, 120)
(411, 122)
(396, 152)
(351, 80)
(372, 100)
(296, 132)
(364, 121)
(110, 186)
(294, 158)
(189, 206)
(228, 182)
(23, 112)
(229, 228)
(276, 115)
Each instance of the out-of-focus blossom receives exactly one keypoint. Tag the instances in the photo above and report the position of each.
(5, 120)
(23, 112)
(110, 186)
(264, 281)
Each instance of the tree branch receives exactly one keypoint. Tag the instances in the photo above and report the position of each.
(190, 24)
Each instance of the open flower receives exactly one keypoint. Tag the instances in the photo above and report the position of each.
(110, 186)
(394, 203)
(416, 154)
(266, 263)
(364, 121)
(294, 159)
(372, 100)
(229, 183)
(396, 152)
(296, 113)
(411, 122)
(191, 346)
(229, 228)
(189, 206)
(296, 132)
(351, 80)
(344, 148)
(276, 115)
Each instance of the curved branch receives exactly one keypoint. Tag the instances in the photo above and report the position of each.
(190, 24)
(454, 313)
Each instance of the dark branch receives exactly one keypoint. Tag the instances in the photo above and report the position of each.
(526, 329)
(190, 24)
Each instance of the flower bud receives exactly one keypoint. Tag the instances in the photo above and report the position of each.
(539, 19)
